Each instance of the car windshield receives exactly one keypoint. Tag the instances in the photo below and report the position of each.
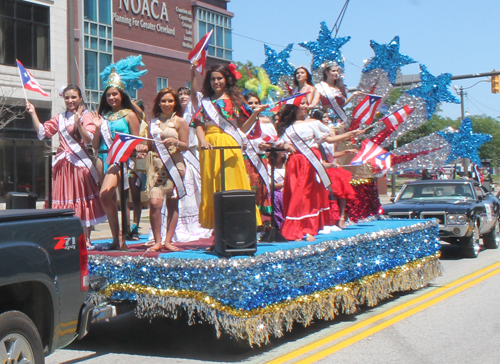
(437, 192)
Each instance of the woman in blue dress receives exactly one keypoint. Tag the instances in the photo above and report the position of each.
(115, 114)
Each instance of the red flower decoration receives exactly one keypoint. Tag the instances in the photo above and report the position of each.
(232, 68)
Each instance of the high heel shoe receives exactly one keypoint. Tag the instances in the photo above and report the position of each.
(342, 222)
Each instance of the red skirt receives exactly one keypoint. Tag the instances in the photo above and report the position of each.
(74, 188)
(262, 196)
(341, 187)
(306, 206)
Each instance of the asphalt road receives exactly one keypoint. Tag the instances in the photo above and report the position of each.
(447, 322)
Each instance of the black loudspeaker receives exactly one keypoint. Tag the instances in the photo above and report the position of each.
(21, 200)
(235, 223)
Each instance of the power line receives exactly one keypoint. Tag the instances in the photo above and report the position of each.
(338, 22)
(469, 97)
(263, 42)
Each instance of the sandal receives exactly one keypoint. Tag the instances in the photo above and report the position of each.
(170, 247)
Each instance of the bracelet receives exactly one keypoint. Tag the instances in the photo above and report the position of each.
(178, 143)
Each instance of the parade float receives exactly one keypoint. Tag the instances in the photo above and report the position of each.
(264, 295)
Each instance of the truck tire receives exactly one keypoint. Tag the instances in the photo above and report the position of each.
(470, 245)
(20, 341)
(492, 239)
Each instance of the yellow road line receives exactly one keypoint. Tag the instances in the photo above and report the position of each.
(308, 348)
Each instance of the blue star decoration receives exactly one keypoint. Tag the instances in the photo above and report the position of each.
(465, 143)
(388, 58)
(433, 90)
(326, 48)
(276, 64)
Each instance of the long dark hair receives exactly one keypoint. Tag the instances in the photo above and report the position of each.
(249, 95)
(338, 83)
(161, 93)
(104, 106)
(286, 117)
(231, 89)
(309, 79)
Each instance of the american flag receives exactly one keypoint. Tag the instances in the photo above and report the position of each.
(29, 82)
(368, 151)
(397, 117)
(199, 53)
(122, 148)
(365, 111)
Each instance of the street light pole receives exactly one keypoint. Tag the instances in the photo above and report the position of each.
(461, 93)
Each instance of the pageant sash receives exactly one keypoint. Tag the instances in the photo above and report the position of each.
(108, 140)
(326, 91)
(169, 164)
(254, 158)
(191, 158)
(220, 121)
(75, 147)
(309, 154)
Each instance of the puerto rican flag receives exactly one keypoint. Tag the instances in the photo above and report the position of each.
(255, 132)
(122, 147)
(29, 82)
(365, 111)
(382, 162)
(368, 151)
(295, 99)
(199, 53)
(397, 117)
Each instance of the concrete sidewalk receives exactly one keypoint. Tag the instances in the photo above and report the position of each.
(102, 231)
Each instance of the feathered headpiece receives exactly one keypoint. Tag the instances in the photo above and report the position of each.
(124, 74)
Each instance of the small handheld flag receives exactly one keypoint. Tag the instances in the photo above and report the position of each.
(295, 99)
(199, 53)
(365, 111)
(122, 148)
(29, 82)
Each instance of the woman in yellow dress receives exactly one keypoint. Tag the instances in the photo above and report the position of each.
(223, 110)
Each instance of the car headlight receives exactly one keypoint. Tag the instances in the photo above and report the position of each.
(461, 219)
(451, 219)
(456, 219)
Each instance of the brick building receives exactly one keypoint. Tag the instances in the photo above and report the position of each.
(63, 42)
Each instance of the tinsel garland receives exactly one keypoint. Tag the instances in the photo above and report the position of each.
(259, 325)
(255, 297)
(367, 202)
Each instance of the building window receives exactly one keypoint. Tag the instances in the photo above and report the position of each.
(97, 44)
(24, 34)
(161, 82)
(220, 45)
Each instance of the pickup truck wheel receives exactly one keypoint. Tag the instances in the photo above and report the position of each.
(20, 341)
(470, 245)
(492, 239)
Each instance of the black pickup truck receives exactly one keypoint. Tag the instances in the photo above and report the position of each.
(43, 283)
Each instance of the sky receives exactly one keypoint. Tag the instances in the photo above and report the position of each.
(448, 36)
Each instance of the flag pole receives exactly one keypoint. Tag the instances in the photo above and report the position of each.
(21, 77)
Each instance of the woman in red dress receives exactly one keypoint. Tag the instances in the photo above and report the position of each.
(306, 204)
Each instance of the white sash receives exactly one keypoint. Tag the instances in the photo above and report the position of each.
(168, 163)
(220, 121)
(254, 158)
(108, 140)
(309, 154)
(327, 92)
(191, 158)
(77, 148)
